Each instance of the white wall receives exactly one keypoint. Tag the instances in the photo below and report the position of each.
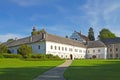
(65, 53)
(35, 47)
(98, 52)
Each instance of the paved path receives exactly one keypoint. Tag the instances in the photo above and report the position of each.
(55, 73)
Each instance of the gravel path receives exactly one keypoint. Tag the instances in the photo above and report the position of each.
(55, 73)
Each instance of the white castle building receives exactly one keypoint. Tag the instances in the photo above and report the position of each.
(45, 43)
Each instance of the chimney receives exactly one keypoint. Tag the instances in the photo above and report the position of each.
(43, 35)
(30, 39)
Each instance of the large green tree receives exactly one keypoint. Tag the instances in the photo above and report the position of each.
(105, 34)
(25, 50)
(91, 34)
(3, 48)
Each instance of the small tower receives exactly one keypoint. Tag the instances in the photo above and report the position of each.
(34, 29)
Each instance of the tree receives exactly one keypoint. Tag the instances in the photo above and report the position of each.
(3, 48)
(35, 32)
(41, 31)
(91, 34)
(25, 50)
(9, 40)
(105, 34)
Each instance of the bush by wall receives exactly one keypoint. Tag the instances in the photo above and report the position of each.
(31, 57)
(43, 57)
(6, 55)
(25, 50)
(3, 49)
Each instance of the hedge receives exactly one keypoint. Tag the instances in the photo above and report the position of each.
(43, 57)
(31, 57)
(6, 55)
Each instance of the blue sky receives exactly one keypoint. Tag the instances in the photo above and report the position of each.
(60, 17)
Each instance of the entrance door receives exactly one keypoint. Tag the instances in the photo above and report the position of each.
(71, 56)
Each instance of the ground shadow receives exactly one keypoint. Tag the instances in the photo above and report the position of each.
(108, 71)
(25, 73)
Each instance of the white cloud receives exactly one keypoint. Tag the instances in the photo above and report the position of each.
(102, 13)
(5, 37)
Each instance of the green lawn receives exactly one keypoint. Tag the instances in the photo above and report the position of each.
(15, 69)
(93, 70)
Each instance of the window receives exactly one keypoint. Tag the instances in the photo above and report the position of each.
(98, 50)
(59, 47)
(76, 50)
(51, 47)
(116, 49)
(38, 46)
(65, 49)
(93, 51)
(66, 56)
(80, 50)
(55, 47)
(110, 50)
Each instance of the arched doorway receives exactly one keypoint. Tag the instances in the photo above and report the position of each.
(71, 56)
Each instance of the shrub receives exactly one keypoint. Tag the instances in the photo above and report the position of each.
(43, 57)
(6, 55)
(3, 48)
(25, 50)
(36, 56)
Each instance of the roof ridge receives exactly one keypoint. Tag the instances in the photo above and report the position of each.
(64, 38)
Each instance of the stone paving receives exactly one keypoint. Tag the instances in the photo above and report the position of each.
(55, 73)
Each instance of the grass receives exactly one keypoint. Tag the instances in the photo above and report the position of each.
(15, 69)
(93, 70)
